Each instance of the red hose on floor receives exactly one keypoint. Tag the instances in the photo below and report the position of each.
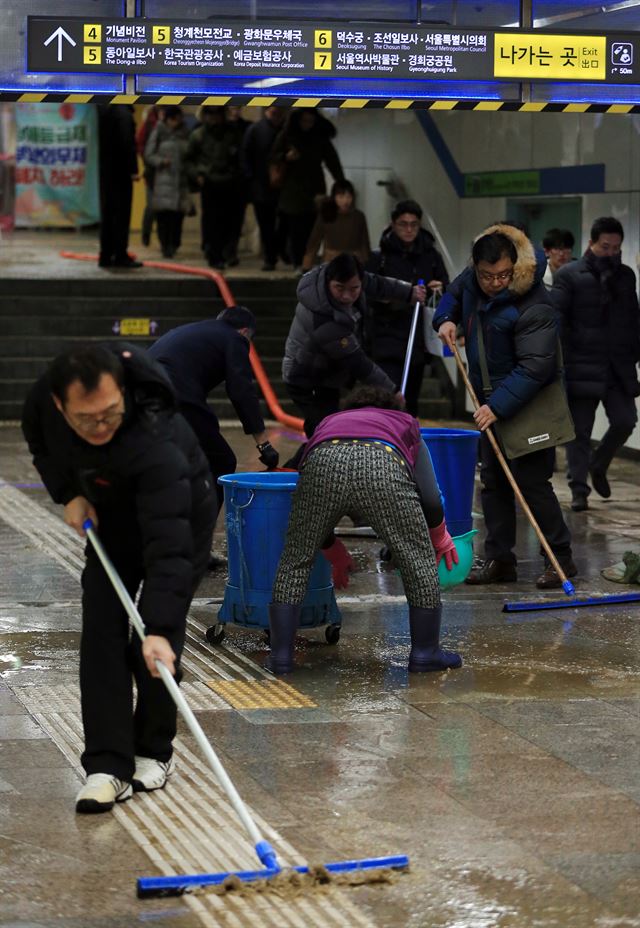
(292, 422)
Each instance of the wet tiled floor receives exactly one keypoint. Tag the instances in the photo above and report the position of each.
(512, 783)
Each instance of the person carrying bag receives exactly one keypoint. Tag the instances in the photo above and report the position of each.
(511, 340)
(544, 422)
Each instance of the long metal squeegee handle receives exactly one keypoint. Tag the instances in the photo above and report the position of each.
(265, 852)
(410, 343)
(567, 585)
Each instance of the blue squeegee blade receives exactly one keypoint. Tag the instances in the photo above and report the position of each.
(155, 886)
(613, 599)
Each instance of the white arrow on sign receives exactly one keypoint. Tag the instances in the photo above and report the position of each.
(60, 35)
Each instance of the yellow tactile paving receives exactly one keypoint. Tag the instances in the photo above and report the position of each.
(260, 694)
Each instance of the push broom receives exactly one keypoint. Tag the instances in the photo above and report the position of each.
(149, 887)
(573, 601)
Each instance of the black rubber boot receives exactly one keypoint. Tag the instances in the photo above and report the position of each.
(426, 654)
(283, 624)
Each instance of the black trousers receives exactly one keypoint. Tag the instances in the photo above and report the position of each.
(116, 193)
(533, 476)
(314, 403)
(266, 217)
(217, 451)
(169, 230)
(622, 415)
(217, 230)
(238, 206)
(111, 656)
(296, 230)
(148, 216)
(394, 369)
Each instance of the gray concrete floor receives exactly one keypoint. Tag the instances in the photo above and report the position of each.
(512, 783)
(35, 253)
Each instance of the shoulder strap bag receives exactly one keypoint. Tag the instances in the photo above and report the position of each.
(544, 422)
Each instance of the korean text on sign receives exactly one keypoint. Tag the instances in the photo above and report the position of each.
(550, 57)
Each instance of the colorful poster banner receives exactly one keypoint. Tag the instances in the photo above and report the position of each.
(56, 165)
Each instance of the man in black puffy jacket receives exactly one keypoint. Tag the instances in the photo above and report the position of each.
(406, 252)
(107, 441)
(323, 352)
(597, 300)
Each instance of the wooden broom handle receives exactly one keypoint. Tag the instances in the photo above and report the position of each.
(507, 470)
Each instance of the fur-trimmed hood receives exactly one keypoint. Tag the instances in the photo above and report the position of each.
(530, 265)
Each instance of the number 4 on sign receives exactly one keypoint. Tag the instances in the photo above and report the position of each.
(60, 35)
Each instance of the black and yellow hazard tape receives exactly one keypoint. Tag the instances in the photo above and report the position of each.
(260, 694)
(348, 103)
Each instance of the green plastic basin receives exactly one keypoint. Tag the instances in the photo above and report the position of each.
(464, 547)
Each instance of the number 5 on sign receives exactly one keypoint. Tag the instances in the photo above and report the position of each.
(161, 35)
(322, 38)
(92, 54)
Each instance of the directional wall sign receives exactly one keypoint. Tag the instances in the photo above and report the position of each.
(232, 48)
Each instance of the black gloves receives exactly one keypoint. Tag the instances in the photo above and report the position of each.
(268, 455)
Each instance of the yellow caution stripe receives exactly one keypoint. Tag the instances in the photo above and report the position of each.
(260, 694)
(357, 103)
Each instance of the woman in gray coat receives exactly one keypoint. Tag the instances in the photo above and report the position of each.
(164, 154)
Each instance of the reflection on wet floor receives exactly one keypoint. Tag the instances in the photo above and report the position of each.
(512, 783)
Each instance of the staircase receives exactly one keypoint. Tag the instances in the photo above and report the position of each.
(39, 318)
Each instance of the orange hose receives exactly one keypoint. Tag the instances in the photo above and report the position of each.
(292, 422)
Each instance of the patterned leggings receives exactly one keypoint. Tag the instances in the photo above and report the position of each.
(369, 483)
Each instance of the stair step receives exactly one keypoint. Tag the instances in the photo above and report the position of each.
(147, 286)
(40, 318)
(106, 326)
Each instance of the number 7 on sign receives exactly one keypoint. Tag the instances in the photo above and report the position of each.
(322, 59)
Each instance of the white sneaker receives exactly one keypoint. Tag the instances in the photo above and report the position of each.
(101, 792)
(151, 774)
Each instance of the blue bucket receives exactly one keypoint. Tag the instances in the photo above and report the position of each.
(257, 507)
(454, 453)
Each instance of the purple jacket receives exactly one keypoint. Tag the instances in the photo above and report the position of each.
(397, 428)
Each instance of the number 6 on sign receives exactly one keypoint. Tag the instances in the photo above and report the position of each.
(322, 38)
(161, 35)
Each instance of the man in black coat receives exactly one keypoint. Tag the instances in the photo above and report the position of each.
(105, 437)
(255, 158)
(598, 303)
(323, 353)
(407, 253)
(200, 356)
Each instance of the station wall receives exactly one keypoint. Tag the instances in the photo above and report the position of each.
(377, 144)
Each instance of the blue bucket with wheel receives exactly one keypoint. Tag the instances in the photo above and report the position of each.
(454, 454)
(257, 507)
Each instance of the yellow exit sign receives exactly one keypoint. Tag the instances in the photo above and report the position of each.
(550, 57)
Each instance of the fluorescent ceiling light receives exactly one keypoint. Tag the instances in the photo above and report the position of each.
(272, 82)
